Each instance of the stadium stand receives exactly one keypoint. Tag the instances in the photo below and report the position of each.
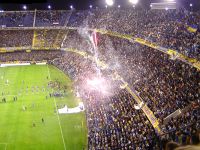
(173, 29)
(164, 84)
(16, 19)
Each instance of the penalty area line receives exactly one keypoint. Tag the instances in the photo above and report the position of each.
(57, 113)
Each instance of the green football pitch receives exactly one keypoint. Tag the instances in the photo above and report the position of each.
(21, 125)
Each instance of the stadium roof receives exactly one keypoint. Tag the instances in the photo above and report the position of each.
(83, 4)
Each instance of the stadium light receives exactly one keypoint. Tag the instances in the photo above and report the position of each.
(90, 6)
(71, 7)
(49, 6)
(119, 6)
(191, 5)
(166, 8)
(133, 1)
(106, 6)
(25, 7)
(109, 2)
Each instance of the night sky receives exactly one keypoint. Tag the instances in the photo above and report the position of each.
(81, 4)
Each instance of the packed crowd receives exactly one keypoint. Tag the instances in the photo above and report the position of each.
(46, 38)
(170, 30)
(16, 19)
(52, 18)
(166, 28)
(184, 130)
(16, 38)
(164, 84)
(78, 38)
(119, 125)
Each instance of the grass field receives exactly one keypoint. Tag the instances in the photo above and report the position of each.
(17, 118)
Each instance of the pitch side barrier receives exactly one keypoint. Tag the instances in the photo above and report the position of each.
(27, 49)
(22, 63)
(14, 64)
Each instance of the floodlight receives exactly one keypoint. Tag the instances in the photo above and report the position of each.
(191, 5)
(49, 6)
(133, 1)
(90, 6)
(119, 6)
(109, 2)
(24, 7)
(71, 7)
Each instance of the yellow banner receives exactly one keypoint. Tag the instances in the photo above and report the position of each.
(191, 29)
(28, 50)
(171, 52)
(197, 65)
(147, 43)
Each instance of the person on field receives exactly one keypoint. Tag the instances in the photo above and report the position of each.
(4, 100)
(34, 125)
(42, 120)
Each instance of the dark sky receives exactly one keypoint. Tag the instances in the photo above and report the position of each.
(80, 4)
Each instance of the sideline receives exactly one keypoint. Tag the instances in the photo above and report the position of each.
(57, 114)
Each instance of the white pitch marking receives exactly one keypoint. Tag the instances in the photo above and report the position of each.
(57, 114)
